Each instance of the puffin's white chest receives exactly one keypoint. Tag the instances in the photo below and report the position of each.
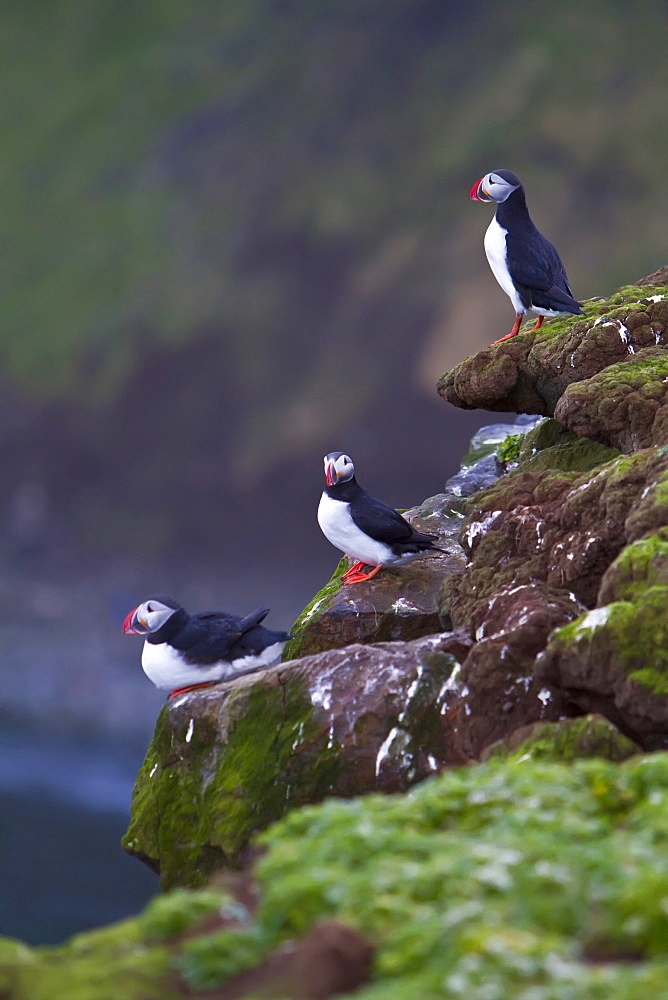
(339, 528)
(495, 249)
(163, 665)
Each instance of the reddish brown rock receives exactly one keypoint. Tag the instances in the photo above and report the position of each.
(504, 693)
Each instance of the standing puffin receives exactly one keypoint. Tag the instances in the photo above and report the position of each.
(524, 263)
(183, 652)
(364, 528)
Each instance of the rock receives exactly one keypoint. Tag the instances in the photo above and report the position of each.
(330, 960)
(227, 761)
(566, 740)
(608, 661)
(478, 476)
(559, 528)
(625, 406)
(397, 604)
(530, 373)
(571, 544)
(552, 551)
(116, 961)
(541, 875)
(503, 692)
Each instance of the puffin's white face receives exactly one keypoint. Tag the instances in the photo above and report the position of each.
(148, 617)
(495, 186)
(338, 468)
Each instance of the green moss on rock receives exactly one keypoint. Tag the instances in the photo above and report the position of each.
(209, 960)
(115, 962)
(196, 809)
(295, 646)
(517, 878)
(176, 912)
(551, 446)
(508, 879)
(566, 740)
(616, 659)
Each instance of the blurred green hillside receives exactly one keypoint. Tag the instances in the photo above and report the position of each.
(232, 232)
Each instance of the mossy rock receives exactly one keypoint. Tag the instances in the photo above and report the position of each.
(531, 372)
(566, 740)
(548, 879)
(226, 762)
(625, 406)
(115, 961)
(552, 446)
(151, 957)
(614, 659)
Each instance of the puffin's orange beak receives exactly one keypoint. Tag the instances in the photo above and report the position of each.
(330, 474)
(478, 192)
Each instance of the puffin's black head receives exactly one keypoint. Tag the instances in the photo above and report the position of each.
(150, 616)
(339, 468)
(495, 186)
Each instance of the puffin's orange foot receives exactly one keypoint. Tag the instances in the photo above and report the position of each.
(516, 329)
(513, 333)
(190, 687)
(353, 569)
(361, 577)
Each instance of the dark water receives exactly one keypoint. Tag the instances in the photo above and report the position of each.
(63, 810)
(62, 869)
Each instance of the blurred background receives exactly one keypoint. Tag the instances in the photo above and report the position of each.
(236, 236)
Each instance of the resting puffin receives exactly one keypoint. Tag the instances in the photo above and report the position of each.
(184, 652)
(364, 528)
(524, 263)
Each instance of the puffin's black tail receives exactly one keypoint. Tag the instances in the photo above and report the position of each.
(420, 541)
(556, 299)
(254, 618)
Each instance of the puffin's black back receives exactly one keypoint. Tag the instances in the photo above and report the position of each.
(211, 636)
(377, 519)
(534, 264)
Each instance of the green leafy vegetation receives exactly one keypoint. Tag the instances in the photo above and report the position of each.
(509, 449)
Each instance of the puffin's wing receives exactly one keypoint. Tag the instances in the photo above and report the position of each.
(534, 262)
(379, 521)
(214, 632)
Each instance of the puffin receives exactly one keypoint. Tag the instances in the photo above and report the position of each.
(524, 263)
(366, 529)
(185, 652)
